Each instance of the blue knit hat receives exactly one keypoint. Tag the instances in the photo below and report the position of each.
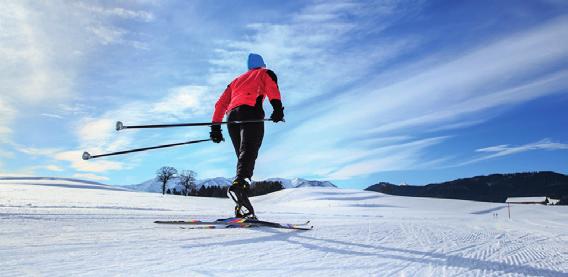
(255, 61)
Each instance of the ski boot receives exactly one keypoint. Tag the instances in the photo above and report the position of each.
(238, 192)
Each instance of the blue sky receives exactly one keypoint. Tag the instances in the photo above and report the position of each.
(397, 91)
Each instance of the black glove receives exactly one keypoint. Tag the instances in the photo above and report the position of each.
(278, 113)
(216, 135)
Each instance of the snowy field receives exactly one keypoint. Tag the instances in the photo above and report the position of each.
(64, 228)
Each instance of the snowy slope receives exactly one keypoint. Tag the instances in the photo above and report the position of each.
(155, 186)
(59, 182)
(61, 228)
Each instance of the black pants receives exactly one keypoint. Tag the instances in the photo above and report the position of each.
(246, 137)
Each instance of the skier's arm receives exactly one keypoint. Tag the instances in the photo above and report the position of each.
(271, 86)
(273, 93)
(222, 104)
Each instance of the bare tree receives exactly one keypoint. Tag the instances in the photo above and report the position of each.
(188, 180)
(164, 174)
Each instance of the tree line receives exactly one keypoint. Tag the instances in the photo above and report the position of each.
(490, 188)
(187, 181)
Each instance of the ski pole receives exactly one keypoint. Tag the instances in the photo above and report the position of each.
(87, 156)
(121, 126)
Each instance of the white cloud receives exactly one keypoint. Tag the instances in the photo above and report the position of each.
(312, 52)
(96, 132)
(42, 54)
(50, 115)
(507, 150)
(32, 71)
(108, 34)
(35, 151)
(496, 148)
(6, 154)
(402, 156)
(7, 114)
(99, 133)
(454, 90)
(184, 102)
(90, 176)
(116, 12)
(54, 168)
(43, 48)
(74, 157)
(23, 172)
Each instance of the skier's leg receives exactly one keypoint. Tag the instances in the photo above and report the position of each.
(251, 140)
(238, 192)
(248, 138)
(235, 131)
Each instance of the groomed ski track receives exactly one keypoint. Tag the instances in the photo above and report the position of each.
(65, 228)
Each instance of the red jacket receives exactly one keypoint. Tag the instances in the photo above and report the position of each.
(244, 90)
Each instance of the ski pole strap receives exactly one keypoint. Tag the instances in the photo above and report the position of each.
(87, 156)
(121, 126)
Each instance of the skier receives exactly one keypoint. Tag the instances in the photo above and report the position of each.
(242, 100)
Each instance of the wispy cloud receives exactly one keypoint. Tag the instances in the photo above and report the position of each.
(54, 168)
(185, 102)
(99, 166)
(364, 87)
(90, 176)
(50, 115)
(7, 113)
(98, 132)
(401, 156)
(312, 52)
(116, 12)
(507, 150)
(72, 157)
(43, 55)
(458, 88)
(35, 151)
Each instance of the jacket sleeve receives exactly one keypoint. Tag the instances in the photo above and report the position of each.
(222, 104)
(271, 86)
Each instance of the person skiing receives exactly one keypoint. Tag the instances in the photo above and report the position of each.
(242, 100)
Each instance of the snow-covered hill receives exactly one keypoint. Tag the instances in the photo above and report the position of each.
(155, 186)
(41, 179)
(65, 228)
(59, 182)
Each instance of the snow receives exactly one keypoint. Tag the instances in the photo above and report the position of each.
(540, 199)
(66, 228)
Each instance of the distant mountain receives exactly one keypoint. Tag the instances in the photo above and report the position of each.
(218, 181)
(155, 186)
(491, 188)
(299, 182)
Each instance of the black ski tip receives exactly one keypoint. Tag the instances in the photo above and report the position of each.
(86, 155)
(119, 126)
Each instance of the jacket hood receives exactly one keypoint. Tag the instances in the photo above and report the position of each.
(255, 61)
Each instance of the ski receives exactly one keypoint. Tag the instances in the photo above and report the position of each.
(251, 225)
(217, 226)
(301, 226)
(225, 221)
(236, 223)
